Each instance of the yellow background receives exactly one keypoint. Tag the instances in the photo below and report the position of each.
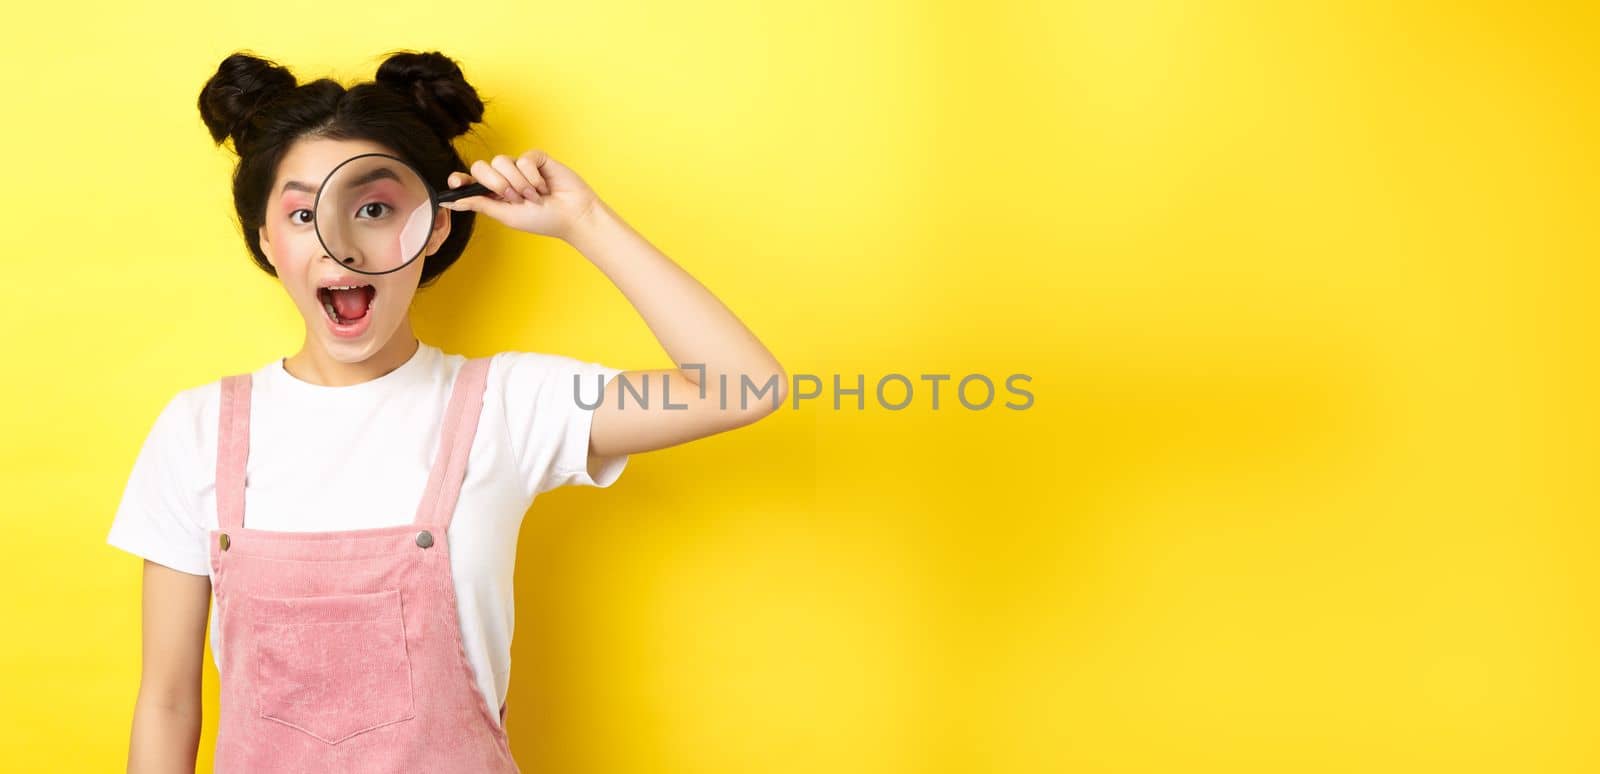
(1306, 295)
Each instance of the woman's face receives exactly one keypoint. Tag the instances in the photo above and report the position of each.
(350, 326)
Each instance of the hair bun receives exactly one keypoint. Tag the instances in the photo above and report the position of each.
(241, 85)
(434, 84)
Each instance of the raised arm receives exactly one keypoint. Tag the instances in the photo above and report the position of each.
(708, 345)
(705, 338)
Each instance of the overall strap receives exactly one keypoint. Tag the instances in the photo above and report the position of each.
(233, 446)
(455, 444)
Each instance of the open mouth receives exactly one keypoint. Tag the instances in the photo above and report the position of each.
(347, 304)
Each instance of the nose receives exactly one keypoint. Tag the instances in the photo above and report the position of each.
(349, 260)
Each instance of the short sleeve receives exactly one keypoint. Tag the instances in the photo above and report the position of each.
(549, 405)
(159, 517)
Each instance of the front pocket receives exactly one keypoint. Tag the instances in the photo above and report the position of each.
(332, 666)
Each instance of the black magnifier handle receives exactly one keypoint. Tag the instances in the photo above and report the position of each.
(476, 189)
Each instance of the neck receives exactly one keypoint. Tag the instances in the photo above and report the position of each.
(313, 363)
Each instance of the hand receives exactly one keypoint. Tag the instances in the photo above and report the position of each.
(533, 193)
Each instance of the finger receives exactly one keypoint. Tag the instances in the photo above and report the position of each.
(508, 168)
(458, 179)
(551, 169)
(483, 205)
(494, 181)
(532, 164)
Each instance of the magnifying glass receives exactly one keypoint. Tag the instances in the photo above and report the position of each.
(374, 212)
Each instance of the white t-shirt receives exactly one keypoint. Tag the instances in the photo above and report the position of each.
(354, 457)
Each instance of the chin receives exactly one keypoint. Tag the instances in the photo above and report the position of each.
(351, 342)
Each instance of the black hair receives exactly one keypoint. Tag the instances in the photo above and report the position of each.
(415, 105)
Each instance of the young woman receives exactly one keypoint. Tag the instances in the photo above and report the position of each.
(348, 514)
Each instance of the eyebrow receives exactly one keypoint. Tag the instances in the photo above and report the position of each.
(381, 173)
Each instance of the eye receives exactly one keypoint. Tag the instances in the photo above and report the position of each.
(300, 222)
(373, 210)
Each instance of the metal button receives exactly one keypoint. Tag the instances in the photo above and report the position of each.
(224, 541)
(424, 539)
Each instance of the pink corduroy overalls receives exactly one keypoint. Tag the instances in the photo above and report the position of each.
(341, 650)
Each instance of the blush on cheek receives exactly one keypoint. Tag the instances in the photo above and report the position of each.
(286, 242)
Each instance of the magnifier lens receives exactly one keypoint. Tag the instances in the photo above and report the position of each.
(374, 214)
